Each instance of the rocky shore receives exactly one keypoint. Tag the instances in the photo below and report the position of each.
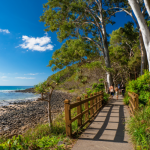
(17, 118)
(30, 90)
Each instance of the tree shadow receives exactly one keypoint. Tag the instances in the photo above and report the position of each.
(119, 132)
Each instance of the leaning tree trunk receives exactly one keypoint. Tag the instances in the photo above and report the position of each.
(142, 23)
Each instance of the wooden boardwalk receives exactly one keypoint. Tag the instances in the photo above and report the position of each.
(107, 131)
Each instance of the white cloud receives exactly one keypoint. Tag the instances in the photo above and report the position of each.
(37, 44)
(32, 74)
(23, 78)
(4, 31)
(4, 77)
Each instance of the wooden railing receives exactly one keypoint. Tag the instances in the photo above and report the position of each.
(133, 102)
(90, 110)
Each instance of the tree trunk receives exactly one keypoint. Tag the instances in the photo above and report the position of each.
(107, 63)
(135, 73)
(143, 54)
(142, 23)
(49, 111)
(41, 95)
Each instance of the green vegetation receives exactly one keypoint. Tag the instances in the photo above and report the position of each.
(140, 87)
(96, 87)
(139, 128)
(139, 125)
(125, 53)
(40, 88)
(79, 76)
(41, 137)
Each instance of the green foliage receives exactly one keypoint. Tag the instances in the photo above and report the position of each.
(71, 91)
(84, 80)
(64, 74)
(94, 85)
(98, 86)
(80, 27)
(89, 91)
(40, 137)
(72, 51)
(141, 86)
(57, 78)
(139, 128)
(106, 96)
(126, 99)
(124, 52)
(16, 143)
(40, 88)
(93, 65)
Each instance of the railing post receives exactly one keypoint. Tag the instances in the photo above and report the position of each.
(86, 107)
(95, 100)
(134, 103)
(137, 101)
(98, 105)
(79, 111)
(91, 104)
(68, 118)
(101, 98)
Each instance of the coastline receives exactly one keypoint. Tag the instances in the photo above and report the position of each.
(29, 90)
(16, 118)
(17, 100)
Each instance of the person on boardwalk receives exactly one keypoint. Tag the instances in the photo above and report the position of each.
(123, 89)
(117, 92)
(111, 90)
(119, 87)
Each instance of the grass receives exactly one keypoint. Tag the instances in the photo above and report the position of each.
(139, 128)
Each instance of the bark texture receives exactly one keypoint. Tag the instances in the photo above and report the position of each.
(142, 23)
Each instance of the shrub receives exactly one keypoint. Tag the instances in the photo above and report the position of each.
(139, 128)
(141, 86)
(84, 80)
(106, 96)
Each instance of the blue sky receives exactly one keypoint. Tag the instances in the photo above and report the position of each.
(25, 49)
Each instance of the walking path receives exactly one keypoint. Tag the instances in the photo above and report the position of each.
(107, 131)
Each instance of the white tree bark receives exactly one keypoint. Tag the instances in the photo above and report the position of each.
(143, 26)
(147, 5)
(99, 22)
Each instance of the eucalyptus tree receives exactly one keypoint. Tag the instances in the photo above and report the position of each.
(135, 5)
(123, 6)
(85, 19)
(72, 51)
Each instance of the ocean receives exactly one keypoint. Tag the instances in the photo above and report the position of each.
(8, 94)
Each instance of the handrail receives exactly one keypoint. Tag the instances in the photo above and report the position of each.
(90, 110)
(134, 102)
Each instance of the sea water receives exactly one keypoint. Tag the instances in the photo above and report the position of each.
(8, 95)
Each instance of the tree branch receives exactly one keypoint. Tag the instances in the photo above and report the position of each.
(130, 14)
(90, 39)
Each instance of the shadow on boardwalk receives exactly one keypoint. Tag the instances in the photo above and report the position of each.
(107, 131)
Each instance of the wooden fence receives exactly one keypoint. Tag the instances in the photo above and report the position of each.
(90, 110)
(133, 102)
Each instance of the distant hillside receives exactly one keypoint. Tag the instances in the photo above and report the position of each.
(78, 77)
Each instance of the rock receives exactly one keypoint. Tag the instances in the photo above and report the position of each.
(18, 117)
(60, 143)
(6, 128)
(30, 90)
